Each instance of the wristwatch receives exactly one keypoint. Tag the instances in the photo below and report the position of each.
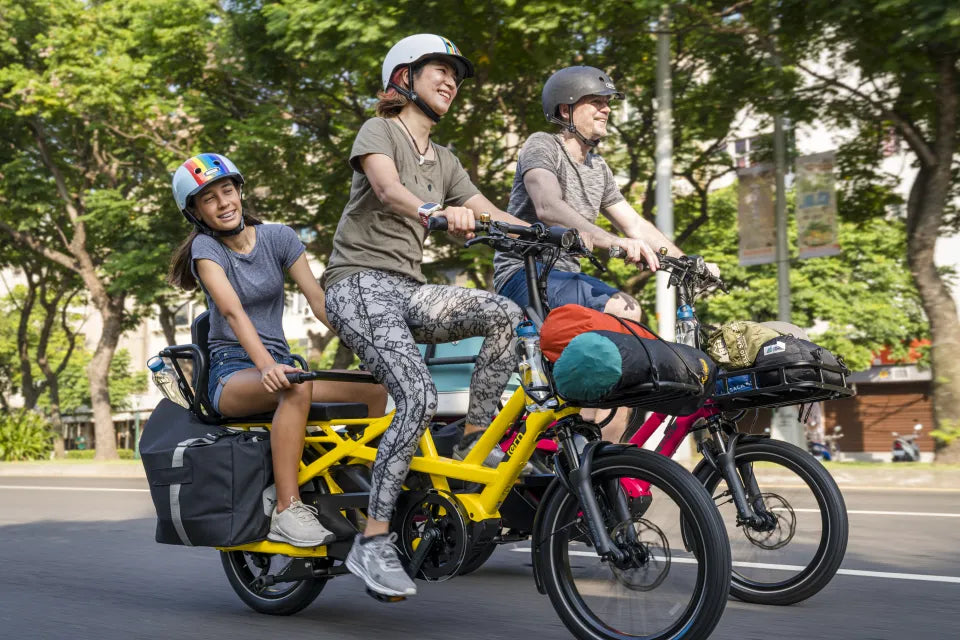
(426, 210)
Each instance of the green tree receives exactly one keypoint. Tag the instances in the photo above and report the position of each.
(887, 69)
(91, 97)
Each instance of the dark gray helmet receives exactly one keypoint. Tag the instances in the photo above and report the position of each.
(569, 85)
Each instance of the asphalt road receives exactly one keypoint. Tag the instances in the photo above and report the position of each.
(79, 561)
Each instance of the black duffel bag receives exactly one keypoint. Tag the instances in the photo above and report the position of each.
(609, 369)
(209, 484)
(786, 352)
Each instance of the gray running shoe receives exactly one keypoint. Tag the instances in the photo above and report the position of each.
(298, 525)
(376, 561)
(468, 442)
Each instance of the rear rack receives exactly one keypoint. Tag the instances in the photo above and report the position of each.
(783, 393)
(655, 396)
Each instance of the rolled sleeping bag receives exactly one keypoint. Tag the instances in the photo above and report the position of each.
(599, 366)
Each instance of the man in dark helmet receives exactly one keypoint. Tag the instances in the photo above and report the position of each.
(562, 180)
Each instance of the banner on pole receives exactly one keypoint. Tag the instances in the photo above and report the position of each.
(755, 215)
(816, 206)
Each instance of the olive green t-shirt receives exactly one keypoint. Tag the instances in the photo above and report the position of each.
(371, 237)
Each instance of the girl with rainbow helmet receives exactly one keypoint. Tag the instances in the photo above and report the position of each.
(240, 264)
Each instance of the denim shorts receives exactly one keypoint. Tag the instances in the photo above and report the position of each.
(226, 362)
(563, 287)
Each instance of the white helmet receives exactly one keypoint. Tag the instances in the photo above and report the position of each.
(419, 48)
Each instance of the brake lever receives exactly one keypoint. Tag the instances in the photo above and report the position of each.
(472, 241)
(595, 261)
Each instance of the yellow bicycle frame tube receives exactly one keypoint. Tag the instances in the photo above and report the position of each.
(338, 446)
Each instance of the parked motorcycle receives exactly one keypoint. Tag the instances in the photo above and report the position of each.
(905, 448)
(827, 449)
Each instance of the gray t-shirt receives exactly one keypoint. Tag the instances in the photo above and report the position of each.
(257, 277)
(587, 188)
(371, 237)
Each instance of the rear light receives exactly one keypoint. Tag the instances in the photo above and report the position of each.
(897, 445)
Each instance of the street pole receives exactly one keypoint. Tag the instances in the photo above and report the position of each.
(786, 424)
(666, 298)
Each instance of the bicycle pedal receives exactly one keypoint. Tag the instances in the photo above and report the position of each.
(385, 598)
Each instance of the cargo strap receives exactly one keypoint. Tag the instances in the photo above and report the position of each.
(175, 488)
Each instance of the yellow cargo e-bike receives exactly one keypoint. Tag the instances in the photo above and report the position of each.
(613, 566)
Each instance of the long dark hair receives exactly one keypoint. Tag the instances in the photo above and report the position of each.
(181, 275)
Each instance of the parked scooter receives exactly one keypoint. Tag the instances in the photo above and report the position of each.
(828, 449)
(905, 448)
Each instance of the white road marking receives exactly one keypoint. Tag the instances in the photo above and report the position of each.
(786, 567)
(52, 488)
(926, 514)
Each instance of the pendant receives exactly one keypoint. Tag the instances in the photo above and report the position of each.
(422, 158)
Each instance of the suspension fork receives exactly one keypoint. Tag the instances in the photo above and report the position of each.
(578, 479)
(740, 479)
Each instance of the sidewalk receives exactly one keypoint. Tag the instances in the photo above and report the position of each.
(847, 475)
(74, 468)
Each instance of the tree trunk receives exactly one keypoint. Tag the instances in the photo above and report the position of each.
(167, 319)
(98, 372)
(938, 305)
(343, 358)
(929, 195)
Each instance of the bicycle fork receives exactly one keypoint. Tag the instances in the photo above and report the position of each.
(741, 481)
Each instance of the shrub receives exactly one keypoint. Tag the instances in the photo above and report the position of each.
(24, 435)
(88, 454)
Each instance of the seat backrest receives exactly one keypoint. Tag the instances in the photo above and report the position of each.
(200, 330)
(199, 335)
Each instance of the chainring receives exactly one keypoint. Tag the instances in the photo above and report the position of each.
(419, 510)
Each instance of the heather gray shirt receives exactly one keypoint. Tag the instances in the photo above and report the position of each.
(257, 277)
(587, 188)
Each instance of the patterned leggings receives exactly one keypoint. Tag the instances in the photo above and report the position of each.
(381, 316)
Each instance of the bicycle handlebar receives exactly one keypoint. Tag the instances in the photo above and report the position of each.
(299, 377)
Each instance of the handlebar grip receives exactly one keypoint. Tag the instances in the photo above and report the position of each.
(296, 378)
(436, 223)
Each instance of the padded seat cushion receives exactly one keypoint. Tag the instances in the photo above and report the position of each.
(319, 411)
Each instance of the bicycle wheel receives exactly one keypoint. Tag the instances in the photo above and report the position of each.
(281, 599)
(795, 557)
(663, 590)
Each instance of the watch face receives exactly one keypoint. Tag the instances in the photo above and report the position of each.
(429, 207)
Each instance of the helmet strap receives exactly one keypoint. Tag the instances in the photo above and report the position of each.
(201, 227)
(412, 96)
(572, 128)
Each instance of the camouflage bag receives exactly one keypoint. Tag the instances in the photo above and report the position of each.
(735, 345)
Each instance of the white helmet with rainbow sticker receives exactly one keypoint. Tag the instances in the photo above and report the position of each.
(197, 173)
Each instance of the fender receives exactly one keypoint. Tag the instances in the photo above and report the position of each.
(554, 488)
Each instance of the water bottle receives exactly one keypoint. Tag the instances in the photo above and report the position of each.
(686, 326)
(532, 373)
(165, 377)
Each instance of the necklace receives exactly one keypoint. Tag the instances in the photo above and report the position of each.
(413, 141)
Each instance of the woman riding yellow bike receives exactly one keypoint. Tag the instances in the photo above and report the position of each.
(377, 297)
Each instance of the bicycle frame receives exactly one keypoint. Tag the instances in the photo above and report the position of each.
(338, 446)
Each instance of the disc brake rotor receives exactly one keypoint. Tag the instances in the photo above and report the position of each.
(783, 530)
(649, 555)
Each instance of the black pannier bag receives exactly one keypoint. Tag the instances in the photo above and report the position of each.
(783, 351)
(610, 369)
(208, 483)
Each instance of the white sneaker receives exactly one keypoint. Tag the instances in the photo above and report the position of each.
(376, 561)
(298, 525)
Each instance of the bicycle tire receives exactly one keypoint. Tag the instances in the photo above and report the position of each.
(826, 560)
(697, 514)
(288, 598)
